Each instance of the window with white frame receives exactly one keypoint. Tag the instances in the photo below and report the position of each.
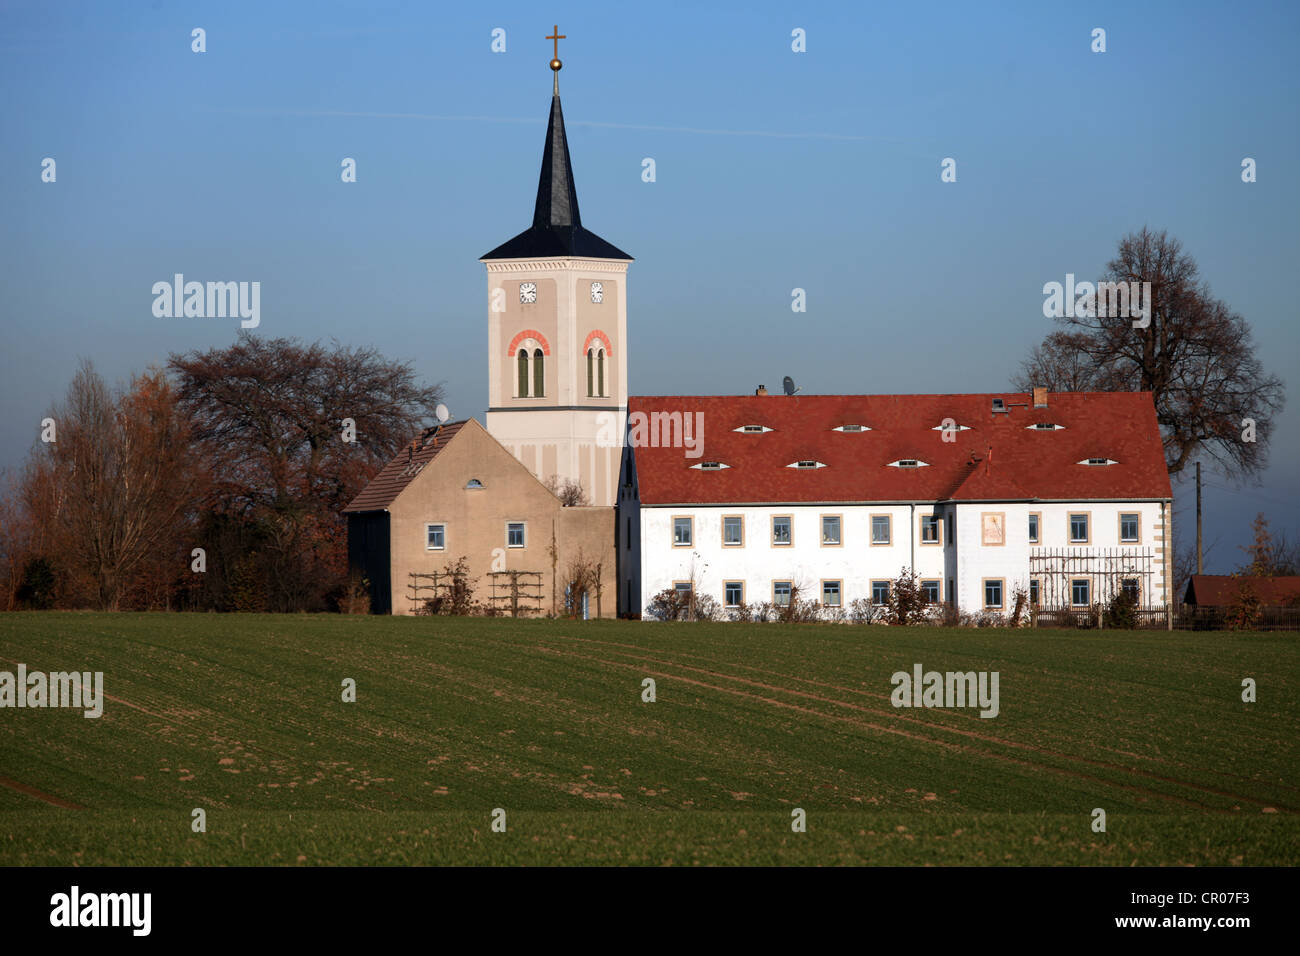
(683, 532)
(1033, 527)
(993, 592)
(930, 591)
(514, 534)
(1080, 592)
(733, 593)
(830, 529)
(733, 531)
(831, 593)
(929, 529)
(1079, 528)
(435, 537)
(879, 592)
(880, 529)
(1129, 526)
(781, 593)
(781, 530)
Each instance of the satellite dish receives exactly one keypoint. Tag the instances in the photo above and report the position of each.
(788, 385)
(442, 413)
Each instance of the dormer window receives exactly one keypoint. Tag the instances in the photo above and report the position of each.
(851, 427)
(908, 463)
(1099, 461)
(752, 429)
(806, 464)
(711, 466)
(1045, 427)
(953, 427)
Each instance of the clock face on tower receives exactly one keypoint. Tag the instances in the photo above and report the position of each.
(597, 292)
(528, 292)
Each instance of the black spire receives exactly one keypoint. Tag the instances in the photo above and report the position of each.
(557, 197)
(557, 227)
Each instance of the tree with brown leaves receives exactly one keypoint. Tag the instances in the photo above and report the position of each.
(116, 483)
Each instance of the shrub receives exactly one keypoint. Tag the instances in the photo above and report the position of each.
(37, 588)
(906, 599)
(668, 605)
(707, 608)
(1020, 600)
(862, 611)
(581, 577)
(1122, 610)
(1245, 610)
(356, 596)
(455, 594)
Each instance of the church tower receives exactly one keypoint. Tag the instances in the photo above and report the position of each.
(557, 333)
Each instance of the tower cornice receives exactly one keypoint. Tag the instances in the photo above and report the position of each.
(611, 266)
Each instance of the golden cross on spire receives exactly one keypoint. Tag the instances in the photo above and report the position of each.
(556, 37)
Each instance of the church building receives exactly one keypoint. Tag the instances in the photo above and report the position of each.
(754, 499)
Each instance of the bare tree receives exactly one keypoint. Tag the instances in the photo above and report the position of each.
(568, 490)
(1196, 357)
(273, 412)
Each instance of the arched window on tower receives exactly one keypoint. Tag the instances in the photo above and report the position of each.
(600, 371)
(539, 374)
(590, 380)
(523, 373)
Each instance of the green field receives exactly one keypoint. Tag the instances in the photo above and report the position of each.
(241, 715)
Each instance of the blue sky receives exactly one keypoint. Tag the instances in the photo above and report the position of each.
(777, 170)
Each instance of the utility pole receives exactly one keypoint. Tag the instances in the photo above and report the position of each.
(1199, 569)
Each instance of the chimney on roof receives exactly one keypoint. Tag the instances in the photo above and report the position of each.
(761, 390)
(1040, 396)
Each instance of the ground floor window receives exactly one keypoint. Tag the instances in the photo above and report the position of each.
(1080, 592)
(831, 593)
(781, 593)
(993, 592)
(879, 592)
(930, 591)
(733, 593)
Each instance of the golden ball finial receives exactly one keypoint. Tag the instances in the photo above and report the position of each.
(556, 64)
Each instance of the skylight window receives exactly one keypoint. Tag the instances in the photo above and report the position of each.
(1099, 461)
(752, 429)
(908, 463)
(806, 463)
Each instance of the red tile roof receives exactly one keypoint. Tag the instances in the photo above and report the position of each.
(398, 473)
(1025, 464)
(1221, 590)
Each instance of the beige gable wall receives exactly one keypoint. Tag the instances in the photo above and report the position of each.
(476, 521)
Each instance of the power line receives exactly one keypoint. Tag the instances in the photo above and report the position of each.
(1250, 494)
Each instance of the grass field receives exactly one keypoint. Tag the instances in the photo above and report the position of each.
(242, 716)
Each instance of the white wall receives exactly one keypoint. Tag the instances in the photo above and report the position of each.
(856, 562)
(806, 562)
